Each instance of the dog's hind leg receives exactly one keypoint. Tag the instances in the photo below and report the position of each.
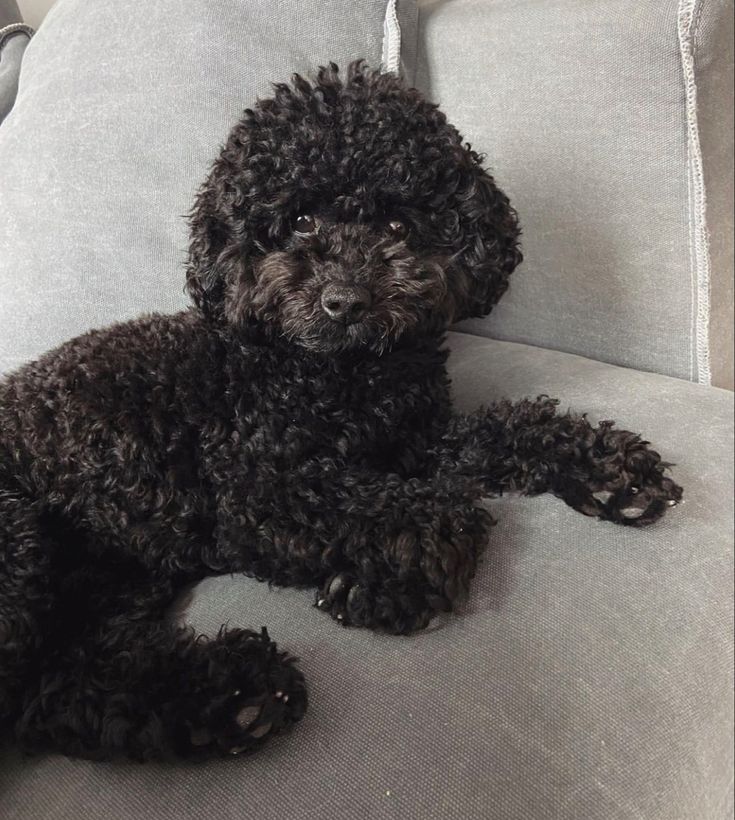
(26, 597)
(124, 681)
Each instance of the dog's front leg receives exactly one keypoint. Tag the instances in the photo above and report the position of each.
(406, 550)
(385, 552)
(600, 471)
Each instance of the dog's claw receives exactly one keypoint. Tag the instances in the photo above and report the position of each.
(337, 585)
(335, 594)
(603, 496)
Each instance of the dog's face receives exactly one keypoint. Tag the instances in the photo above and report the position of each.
(348, 215)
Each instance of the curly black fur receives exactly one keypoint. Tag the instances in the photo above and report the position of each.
(294, 425)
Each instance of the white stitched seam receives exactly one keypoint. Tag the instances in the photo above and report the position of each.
(14, 28)
(692, 268)
(391, 58)
(687, 18)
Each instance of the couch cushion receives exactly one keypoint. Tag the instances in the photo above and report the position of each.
(588, 678)
(590, 115)
(121, 107)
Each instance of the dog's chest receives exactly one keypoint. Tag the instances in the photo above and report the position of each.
(306, 409)
(330, 409)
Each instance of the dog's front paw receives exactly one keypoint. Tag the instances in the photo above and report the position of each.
(628, 483)
(394, 605)
(630, 504)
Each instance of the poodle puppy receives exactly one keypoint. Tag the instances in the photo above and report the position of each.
(294, 425)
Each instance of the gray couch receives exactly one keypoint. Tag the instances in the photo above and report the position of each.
(590, 674)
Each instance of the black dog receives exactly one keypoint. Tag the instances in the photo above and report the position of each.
(294, 425)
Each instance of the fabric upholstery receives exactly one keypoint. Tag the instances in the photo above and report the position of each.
(121, 107)
(589, 677)
(713, 55)
(585, 113)
(14, 37)
(13, 42)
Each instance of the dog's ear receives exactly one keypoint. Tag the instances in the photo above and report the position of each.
(489, 233)
(204, 281)
(218, 249)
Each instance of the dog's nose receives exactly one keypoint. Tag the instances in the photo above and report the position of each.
(345, 303)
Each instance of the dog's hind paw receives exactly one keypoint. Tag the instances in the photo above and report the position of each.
(250, 693)
(245, 724)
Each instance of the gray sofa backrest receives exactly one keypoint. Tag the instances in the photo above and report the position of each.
(121, 108)
(586, 111)
(607, 124)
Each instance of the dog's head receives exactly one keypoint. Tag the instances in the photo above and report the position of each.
(348, 213)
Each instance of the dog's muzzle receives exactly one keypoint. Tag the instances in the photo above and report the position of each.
(345, 303)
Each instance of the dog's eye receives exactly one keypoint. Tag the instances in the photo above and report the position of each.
(305, 224)
(397, 228)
